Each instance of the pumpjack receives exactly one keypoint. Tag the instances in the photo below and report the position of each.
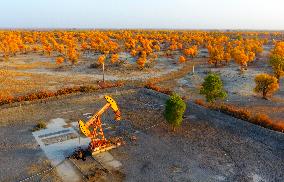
(94, 130)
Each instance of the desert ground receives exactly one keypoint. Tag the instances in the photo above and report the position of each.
(210, 146)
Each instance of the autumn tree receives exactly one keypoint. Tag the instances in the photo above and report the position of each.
(277, 60)
(114, 58)
(141, 61)
(182, 59)
(245, 51)
(212, 88)
(60, 60)
(133, 53)
(191, 51)
(277, 63)
(265, 84)
(278, 49)
(101, 60)
(216, 54)
(72, 55)
(241, 58)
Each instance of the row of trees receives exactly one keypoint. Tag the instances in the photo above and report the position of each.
(143, 46)
(243, 51)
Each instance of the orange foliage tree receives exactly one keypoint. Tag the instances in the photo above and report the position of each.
(182, 59)
(266, 84)
(191, 51)
(216, 54)
(101, 60)
(59, 60)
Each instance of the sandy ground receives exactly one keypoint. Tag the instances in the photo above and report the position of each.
(20, 155)
(210, 146)
(238, 86)
(24, 74)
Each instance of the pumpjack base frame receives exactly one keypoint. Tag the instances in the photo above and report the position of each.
(113, 146)
(112, 143)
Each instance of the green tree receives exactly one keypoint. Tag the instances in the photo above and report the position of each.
(212, 88)
(265, 84)
(175, 108)
(277, 63)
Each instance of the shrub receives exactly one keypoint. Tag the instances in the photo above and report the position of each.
(212, 88)
(265, 84)
(244, 114)
(278, 126)
(8, 100)
(200, 102)
(86, 88)
(106, 84)
(158, 89)
(62, 91)
(175, 108)
(40, 125)
(240, 113)
(20, 99)
(262, 120)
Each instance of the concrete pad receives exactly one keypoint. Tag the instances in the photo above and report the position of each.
(68, 173)
(107, 160)
(104, 157)
(115, 164)
(88, 113)
(57, 151)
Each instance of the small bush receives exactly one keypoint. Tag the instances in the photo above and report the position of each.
(39, 126)
(175, 108)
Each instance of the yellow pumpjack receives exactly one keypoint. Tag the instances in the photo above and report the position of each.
(98, 141)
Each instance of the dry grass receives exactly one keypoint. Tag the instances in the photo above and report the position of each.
(245, 114)
(34, 65)
(200, 102)
(152, 86)
(62, 91)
